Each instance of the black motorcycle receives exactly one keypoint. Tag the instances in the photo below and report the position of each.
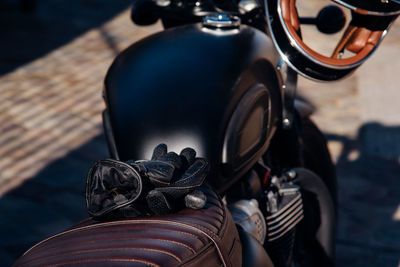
(221, 79)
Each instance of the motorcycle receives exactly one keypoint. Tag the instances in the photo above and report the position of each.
(221, 79)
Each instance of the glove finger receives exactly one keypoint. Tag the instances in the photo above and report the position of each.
(194, 175)
(173, 159)
(159, 172)
(190, 180)
(176, 192)
(189, 155)
(158, 203)
(159, 151)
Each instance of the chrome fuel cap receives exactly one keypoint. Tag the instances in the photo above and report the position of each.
(221, 21)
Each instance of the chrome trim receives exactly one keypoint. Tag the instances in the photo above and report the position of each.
(221, 21)
(287, 230)
(287, 226)
(295, 45)
(283, 56)
(372, 13)
(163, 3)
(288, 206)
(286, 218)
(292, 214)
(220, 32)
(246, 6)
(285, 213)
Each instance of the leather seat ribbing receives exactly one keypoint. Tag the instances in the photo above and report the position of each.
(191, 237)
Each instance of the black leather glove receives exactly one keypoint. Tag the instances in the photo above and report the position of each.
(173, 177)
(162, 185)
(111, 187)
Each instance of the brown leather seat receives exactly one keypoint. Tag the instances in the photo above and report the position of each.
(206, 237)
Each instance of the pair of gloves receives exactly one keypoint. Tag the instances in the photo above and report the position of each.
(165, 184)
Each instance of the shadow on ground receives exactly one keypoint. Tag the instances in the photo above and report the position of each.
(369, 197)
(27, 36)
(48, 203)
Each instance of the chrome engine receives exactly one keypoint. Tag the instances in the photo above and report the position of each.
(283, 211)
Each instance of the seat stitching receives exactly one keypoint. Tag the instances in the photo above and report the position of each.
(192, 249)
(135, 222)
(148, 263)
(111, 223)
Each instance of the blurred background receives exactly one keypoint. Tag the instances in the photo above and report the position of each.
(53, 58)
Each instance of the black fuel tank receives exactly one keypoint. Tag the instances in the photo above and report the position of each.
(215, 91)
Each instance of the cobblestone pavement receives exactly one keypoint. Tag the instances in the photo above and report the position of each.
(50, 119)
(50, 133)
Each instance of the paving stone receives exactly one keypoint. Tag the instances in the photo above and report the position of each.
(53, 105)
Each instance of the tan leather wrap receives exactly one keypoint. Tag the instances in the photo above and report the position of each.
(206, 237)
(360, 40)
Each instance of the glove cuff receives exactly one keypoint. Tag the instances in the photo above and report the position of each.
(111, 185)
